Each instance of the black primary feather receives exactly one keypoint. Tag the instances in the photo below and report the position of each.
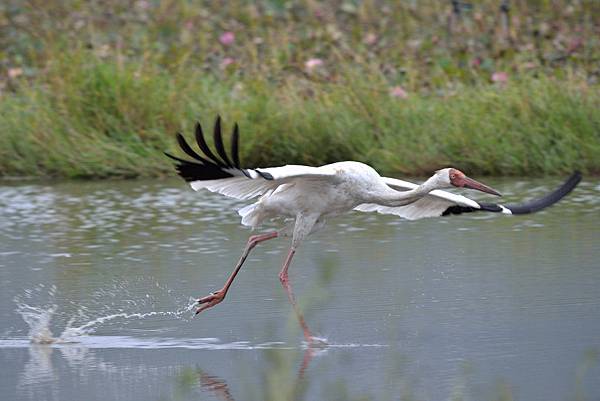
(208, 166)
(176, 158)
(188, 149)
(218, 139)
(526, 207)
(550, 199)
(266, 176)
(235, 138)
(192, 171)
(204, 147)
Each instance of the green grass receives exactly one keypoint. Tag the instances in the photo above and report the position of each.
(100, 94)
(107, 122)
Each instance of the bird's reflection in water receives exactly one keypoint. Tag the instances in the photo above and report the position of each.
(215, 385)
(219, 387)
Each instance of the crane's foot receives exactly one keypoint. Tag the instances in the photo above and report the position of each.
(316, 342)
(211, 300)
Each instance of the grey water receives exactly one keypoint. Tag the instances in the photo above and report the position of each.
(98, 279)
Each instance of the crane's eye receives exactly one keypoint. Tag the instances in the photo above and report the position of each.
(452, 176)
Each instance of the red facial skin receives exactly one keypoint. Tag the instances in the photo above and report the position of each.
(459, 179)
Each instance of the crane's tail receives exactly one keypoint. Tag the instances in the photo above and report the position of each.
(251, 215)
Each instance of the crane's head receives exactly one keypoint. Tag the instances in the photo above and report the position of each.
(454, 177)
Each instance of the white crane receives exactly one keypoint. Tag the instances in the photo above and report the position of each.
(310, 195)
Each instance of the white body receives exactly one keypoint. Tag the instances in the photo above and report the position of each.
(342, 187)
(311, 194)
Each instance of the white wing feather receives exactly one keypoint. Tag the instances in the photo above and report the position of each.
(292, 171)
(236, 187)
(432, 205)
(243, 187)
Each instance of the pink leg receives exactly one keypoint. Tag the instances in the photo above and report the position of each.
(218, 296)
(307, 358)
(285, 282)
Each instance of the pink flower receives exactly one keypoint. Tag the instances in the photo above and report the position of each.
(227, 61)
(370, 39)
(227, 38)
(399, 92)
(500, 77)
(15, 72)
(313, 63)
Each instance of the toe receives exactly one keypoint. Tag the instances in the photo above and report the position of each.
(210, 297)
(210, 301)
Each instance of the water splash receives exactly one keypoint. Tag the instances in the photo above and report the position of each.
(40, 319)
(70, 332)
(316, 343)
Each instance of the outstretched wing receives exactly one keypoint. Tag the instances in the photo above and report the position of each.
(523, 208)
(224, 175)
(442, 203)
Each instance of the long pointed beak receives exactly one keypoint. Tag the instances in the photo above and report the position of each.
(471, 183)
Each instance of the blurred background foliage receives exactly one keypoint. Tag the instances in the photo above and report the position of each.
(97, 88)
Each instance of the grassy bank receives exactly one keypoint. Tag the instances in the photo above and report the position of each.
(107, 122)
(100, 94)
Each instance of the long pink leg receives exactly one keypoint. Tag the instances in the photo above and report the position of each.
(285, 282)
(309, 354)
(218, 296)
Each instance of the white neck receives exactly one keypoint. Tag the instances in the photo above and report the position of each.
(393, 198)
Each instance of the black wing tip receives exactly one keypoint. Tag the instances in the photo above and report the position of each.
(177, 159)
(576, 176)
(194, 171)
(218, 140)
(217, 126)
(550, 199)
(571, 182)
(198, 132)
(527, 207)
(212, 167)
(457, 209)
(235, 138)
(266, 176)
(188, 149)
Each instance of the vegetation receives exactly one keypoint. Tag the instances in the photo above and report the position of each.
(97, 89)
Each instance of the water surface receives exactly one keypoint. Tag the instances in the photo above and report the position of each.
(473, 307)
